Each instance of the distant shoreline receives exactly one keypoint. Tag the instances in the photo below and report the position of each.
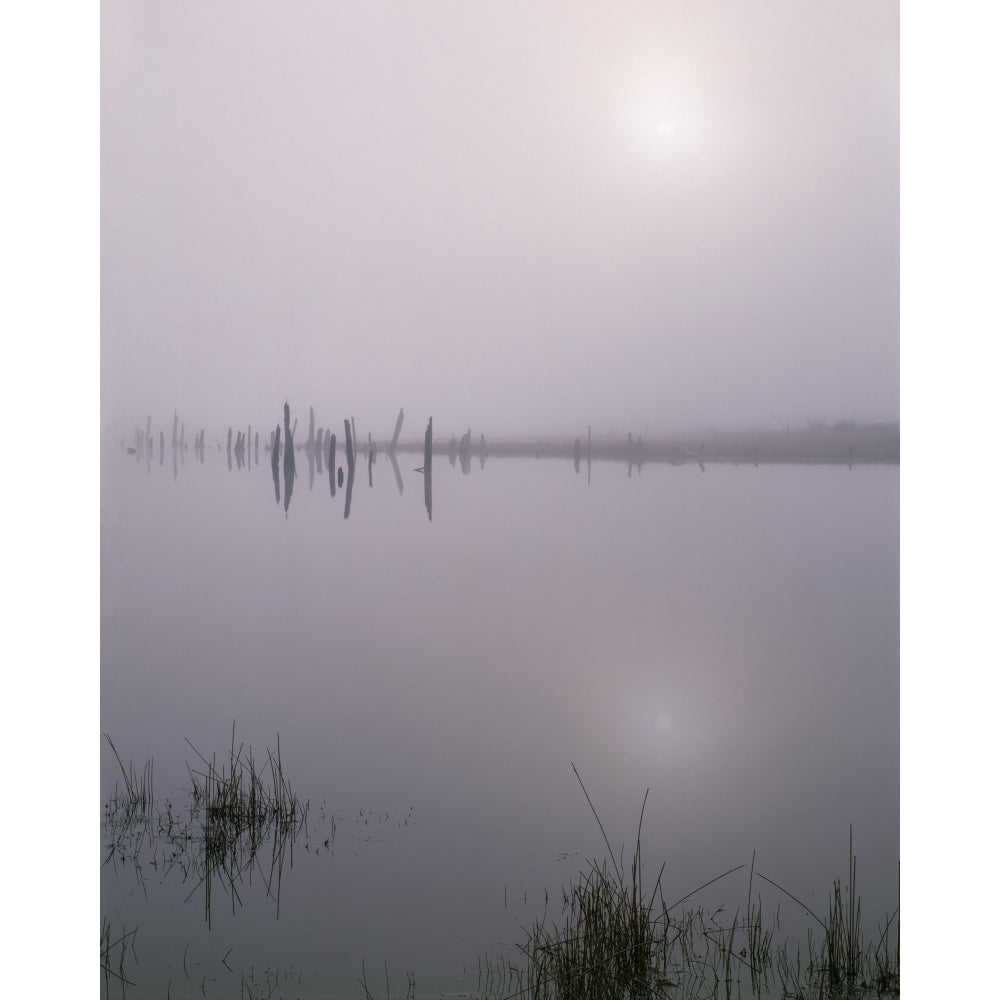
(845, 443)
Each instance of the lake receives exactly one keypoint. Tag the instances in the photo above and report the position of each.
(726, 637)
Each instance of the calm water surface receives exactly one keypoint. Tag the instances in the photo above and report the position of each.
(728, 639)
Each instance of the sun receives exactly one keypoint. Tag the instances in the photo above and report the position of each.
(658, 131)
(661, 114)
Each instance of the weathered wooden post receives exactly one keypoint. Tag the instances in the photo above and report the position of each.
(464, 452)
(275, 449)
(395, 469)
(349, 446)
(428, 452)
(399, 427)
(349, 489)
(289, 458)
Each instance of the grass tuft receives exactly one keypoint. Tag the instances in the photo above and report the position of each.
(244, 806)
(616, 938)
(136, 799)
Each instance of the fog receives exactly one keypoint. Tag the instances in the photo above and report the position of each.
(516, 217)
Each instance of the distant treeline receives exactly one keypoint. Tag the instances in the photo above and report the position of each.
(845, 442)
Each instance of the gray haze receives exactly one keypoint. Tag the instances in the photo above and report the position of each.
(514, 217)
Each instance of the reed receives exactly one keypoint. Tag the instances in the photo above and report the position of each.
(243, 805)
(240, 797)
(842, 963)
(618, 938)
(137, 796)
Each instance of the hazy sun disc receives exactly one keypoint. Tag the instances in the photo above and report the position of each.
(666, 129)
(663, 722)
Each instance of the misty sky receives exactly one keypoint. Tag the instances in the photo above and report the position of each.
(513, 216)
